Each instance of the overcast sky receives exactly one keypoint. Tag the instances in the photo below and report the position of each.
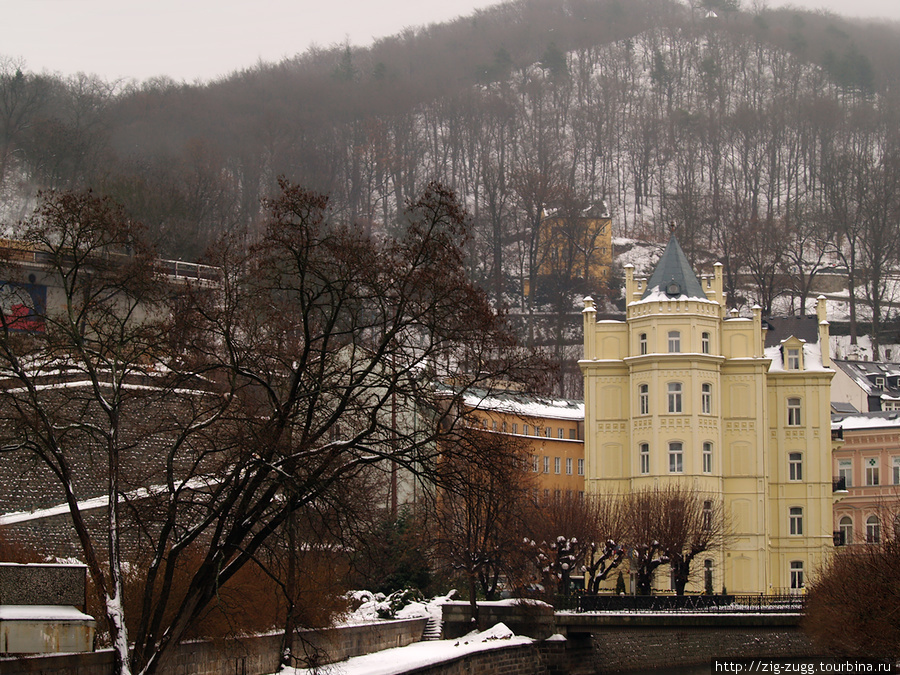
(205, 39)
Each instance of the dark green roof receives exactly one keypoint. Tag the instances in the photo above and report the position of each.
(673, 268)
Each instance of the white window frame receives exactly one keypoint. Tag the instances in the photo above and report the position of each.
(792, 358)
(794, 412)
(557, 465)
(873, 530)
(568, 466)
(581, 467)
(546, 464)
(642, 344)
(845, 471)
(895, 470)
(706, 398)
(707, 457)
(795, 521)
(644, 458)
(795, 466)
(674, 392)
(644, 399)
(704, 342)
(798, 582)
(674, 337)
(873, 471)
(676, 457)
(845, 527)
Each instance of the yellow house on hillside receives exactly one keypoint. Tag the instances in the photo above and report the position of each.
(683, 391)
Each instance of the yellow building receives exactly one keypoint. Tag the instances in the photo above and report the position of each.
(682, 390)
(550, 430)
(576, 247)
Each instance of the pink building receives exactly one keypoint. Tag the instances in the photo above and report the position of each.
(866, 463)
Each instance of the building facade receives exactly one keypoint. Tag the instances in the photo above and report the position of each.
(867, 468)
(738, 408)
(550, 431)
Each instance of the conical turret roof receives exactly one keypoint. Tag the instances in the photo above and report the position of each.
(673, 275)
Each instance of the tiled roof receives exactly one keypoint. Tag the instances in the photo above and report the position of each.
(673, 275)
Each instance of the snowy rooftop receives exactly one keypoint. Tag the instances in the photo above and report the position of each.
(875, 420)
(42, 613)
(527, 406)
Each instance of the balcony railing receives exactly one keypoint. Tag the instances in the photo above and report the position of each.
(775, 604)
(837, 434)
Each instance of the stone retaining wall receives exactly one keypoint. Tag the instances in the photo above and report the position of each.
(248, 656)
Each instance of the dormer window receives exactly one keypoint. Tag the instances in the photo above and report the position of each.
(793, 359)
(792, 353)
(879, 382)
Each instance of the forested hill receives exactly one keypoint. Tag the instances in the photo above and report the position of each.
(766, 135)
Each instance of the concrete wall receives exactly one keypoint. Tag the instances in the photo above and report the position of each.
(533, 619)
(249, 656)
(620, 649)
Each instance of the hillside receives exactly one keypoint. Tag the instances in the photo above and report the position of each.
(770, 138)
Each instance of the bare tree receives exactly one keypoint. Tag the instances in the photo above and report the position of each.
(262, 393)
(480, 514)
(840, 613)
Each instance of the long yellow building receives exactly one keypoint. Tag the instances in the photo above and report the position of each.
(682, 390)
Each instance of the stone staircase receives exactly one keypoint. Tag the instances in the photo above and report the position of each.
(432, 629)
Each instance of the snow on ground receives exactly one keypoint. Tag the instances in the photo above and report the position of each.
(417, 655)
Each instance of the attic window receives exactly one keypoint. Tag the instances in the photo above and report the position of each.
(792, 358)
(879, 382)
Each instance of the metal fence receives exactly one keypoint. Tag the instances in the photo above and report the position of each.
(775, 604)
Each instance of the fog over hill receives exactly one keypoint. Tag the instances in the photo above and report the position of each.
(769, 136)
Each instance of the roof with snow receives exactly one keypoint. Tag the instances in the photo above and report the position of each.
(780, 328)
(866, 420)
(673, 275)
(525, 405)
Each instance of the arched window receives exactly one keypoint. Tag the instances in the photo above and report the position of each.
(873, 530)
(796, 520)
(674, 341)
(795, 466)
(644, 454)
(707, 457)
(674, 392)
(797, 580)
(676, 457)
(846, 529)
(706, 398)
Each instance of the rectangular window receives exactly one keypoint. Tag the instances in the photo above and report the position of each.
(580, 467)
(795, 466)
(707, 458)
(704, 343)
(560, 433)
(568, 466)
(644, 399)
(796, 520)
(676, 458)
(546, 465)
(793, 359)
(674, 341)
(572, 434)
(557, 465)
(706, 523)
(797, 581)
(548, 432)
(706, 399)
(845, 471)
(674, 389)
(645, 458)
(524, 429)
(535, 463)
(793, 412)
(642, 343)
(872, 471)
(895, 470)
(515, 428)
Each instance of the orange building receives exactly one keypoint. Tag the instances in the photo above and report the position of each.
(867, 465)
(552, 429)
